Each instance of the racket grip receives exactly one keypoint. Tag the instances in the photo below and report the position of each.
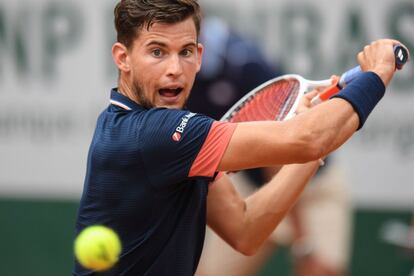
(401, 57)
(349, 76)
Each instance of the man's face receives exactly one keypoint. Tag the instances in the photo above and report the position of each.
(163, 63)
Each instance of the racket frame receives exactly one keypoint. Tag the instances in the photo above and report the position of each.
(305, 86)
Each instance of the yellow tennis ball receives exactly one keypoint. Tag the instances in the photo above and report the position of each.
(97, 247)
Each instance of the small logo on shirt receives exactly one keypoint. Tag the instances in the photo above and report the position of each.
(176, 136)
(181, 127)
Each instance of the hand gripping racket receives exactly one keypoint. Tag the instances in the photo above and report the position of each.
(278, 98)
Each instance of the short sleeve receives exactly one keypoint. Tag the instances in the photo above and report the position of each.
(177, 144)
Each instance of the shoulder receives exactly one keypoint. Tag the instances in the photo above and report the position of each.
(171, 117)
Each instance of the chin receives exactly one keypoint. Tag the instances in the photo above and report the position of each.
(175, 105)
(170, 106)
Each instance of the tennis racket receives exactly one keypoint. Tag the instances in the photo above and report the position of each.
(278, 98)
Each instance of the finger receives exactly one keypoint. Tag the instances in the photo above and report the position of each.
(392, 41)
(310, 95)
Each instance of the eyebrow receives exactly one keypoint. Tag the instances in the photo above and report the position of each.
(164, 45)
(190, 44)
(156, 43)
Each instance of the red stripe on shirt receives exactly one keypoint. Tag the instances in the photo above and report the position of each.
(212, 151)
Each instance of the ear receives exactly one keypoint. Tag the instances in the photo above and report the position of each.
(200, 50)
(120, 57)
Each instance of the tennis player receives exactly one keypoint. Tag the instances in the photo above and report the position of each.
(151, 163)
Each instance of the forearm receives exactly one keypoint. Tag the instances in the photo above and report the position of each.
(267, 207)
(307, 137)
(331, 124)
(357, 101)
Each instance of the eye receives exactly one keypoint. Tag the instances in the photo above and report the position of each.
(186, 52)
(157, 53)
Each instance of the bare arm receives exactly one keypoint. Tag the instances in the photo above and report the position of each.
(311, 135)
(246, 224)
(307, 137)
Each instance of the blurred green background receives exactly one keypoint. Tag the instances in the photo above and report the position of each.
(37, 240)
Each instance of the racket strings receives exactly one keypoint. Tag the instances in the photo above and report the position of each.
(272, 102)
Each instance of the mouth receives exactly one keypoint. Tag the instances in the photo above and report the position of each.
(170, 92)
(171, 96)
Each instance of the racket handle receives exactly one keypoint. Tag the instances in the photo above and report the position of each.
(401, 57)
(327, 93)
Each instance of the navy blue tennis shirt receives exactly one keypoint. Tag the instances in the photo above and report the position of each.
(147, 178)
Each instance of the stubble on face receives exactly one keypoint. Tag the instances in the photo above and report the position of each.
(139, 94)
(143, 100)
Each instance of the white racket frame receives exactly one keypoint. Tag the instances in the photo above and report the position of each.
(305, 86)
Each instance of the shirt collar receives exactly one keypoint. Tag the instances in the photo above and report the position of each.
(122, 101)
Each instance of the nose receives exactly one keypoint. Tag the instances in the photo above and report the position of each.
(175, 67)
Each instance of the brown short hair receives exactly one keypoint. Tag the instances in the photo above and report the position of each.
(131, 16)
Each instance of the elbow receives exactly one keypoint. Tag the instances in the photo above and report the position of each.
(245, 248)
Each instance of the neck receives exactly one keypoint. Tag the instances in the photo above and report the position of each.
(124, 87)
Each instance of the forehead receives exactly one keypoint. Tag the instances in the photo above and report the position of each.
(181, 32)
